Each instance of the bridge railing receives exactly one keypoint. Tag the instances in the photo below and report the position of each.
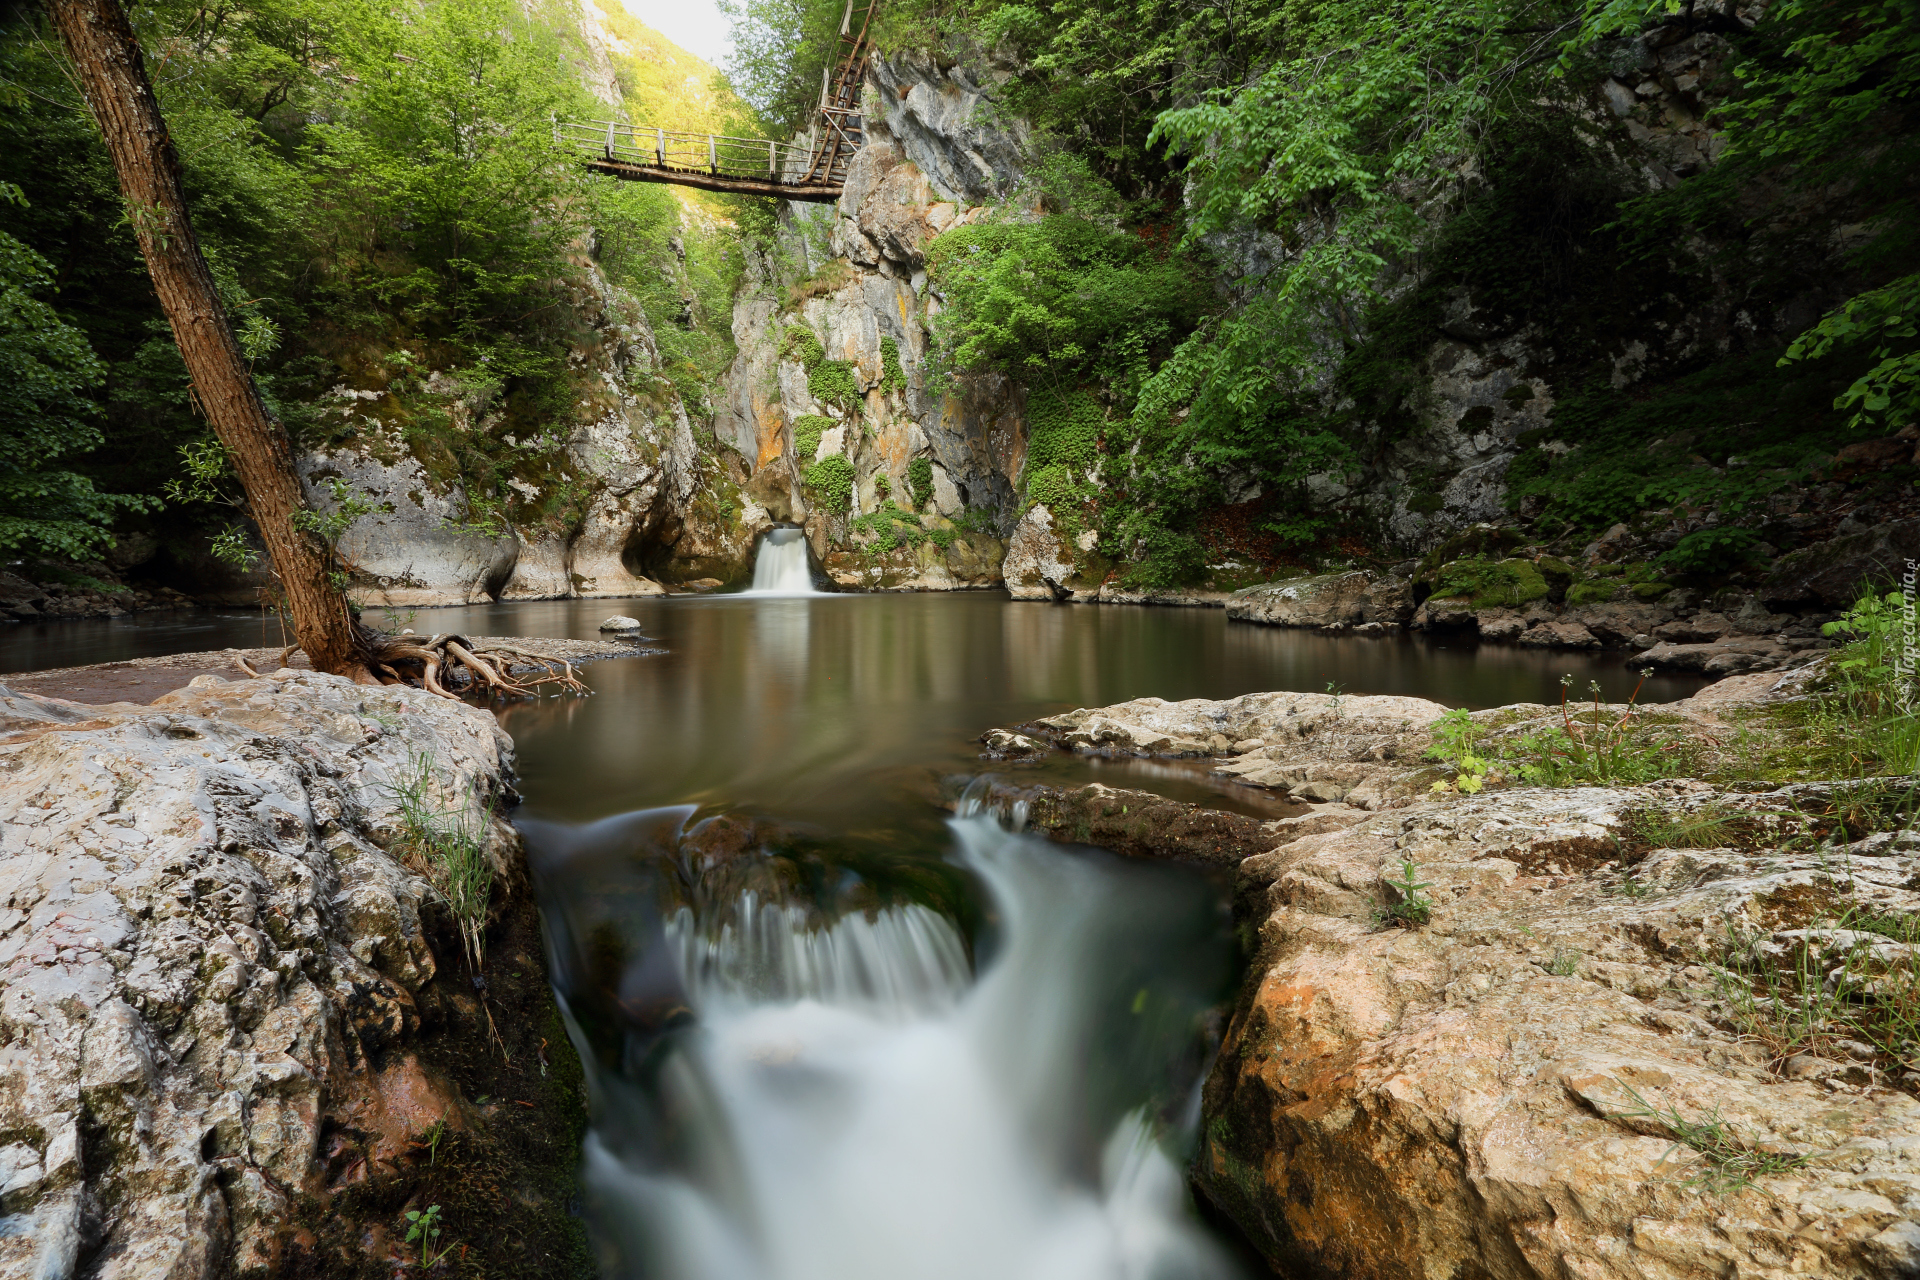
(713, 153)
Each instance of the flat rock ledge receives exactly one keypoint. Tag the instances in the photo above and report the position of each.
(218, 1007)
(1495, 1093)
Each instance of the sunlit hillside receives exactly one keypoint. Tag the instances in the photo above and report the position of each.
(667, 86)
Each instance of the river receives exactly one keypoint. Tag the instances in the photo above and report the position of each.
(833, 1032)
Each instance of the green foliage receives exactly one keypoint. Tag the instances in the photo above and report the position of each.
(1712, 552)
(1456, 739)
(893, 377)
(807, 430)
(893, 528)
(1058, 300)
(1729, 1161)
(780, 48)
(1885, 320)
(448, 845)
(46, 369)
(832, 382)
(423, 1228)
(830, 482)
(920, 481)
(1063, 429)
(799, 344)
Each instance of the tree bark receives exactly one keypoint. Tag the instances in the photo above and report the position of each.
(106, 56)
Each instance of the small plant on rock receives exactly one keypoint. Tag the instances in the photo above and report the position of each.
(1729, 1162)
(1455, 740)
(423, 1229)
(1408, 905)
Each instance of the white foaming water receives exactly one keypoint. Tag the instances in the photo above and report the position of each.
(780, 568)
(853, 1106)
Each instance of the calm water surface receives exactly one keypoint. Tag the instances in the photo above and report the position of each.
(832, 1032)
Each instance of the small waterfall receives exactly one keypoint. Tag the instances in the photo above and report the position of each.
(850, 1101)
(780, 568)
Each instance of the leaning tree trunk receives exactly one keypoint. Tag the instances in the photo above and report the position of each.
(100, 41)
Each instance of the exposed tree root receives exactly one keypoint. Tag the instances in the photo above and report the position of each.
(452, 665)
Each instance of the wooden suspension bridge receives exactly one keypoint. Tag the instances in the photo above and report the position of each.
(811, 169)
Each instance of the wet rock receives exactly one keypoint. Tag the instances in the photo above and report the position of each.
(208, 958)
(622, 624)
(1326, 601)
(1727, 657)
(1003, 745)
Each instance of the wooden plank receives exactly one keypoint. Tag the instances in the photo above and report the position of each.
(809, 193)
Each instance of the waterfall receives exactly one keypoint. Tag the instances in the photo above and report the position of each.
(780, 568)
(851, 1102)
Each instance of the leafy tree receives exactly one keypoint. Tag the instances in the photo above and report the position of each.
(46, 372)
(780, 48)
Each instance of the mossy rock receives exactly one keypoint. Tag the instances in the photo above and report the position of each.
(1480, 540)
(1488, 584)
(1651, 590)
(1592, 592)
(1553, 567)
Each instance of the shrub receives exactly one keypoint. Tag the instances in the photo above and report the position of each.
(892, 376)
(800, 345)
(832, 382)
(920, 481)
(807, 430)
(1712, 552)
(830, 481)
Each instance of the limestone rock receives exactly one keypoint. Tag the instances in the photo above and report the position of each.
(1473, 1097)
(1731, 656)
(1327, 601)
(621, 624)
(207, 957)
(1039, 564)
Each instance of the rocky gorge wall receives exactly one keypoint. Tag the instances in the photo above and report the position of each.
(851, 277)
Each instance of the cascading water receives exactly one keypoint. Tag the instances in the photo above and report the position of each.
(785, 1092)
(780, 567)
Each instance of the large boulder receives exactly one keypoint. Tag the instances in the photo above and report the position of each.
(1040, 563)
(1332, 600)
(211, 964)
(1534, 1083)
(1832, 574)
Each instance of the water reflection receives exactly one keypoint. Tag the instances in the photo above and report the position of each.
(836, 707)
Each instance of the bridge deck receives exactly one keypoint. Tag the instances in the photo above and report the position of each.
(627, 171)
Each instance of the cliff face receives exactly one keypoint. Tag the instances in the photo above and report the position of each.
(852, 278)
(609, 497)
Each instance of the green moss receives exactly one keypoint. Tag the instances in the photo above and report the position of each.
(830, 482)
(800, 345)
(920, 481)
(1555, 569)
(1489, 584)
(807, 430)
(1651, 590)
(832, 382)
(893, 378)
(1592, 592)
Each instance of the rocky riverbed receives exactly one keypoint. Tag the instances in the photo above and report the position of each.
(237, 1028)
(1557, 1065)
